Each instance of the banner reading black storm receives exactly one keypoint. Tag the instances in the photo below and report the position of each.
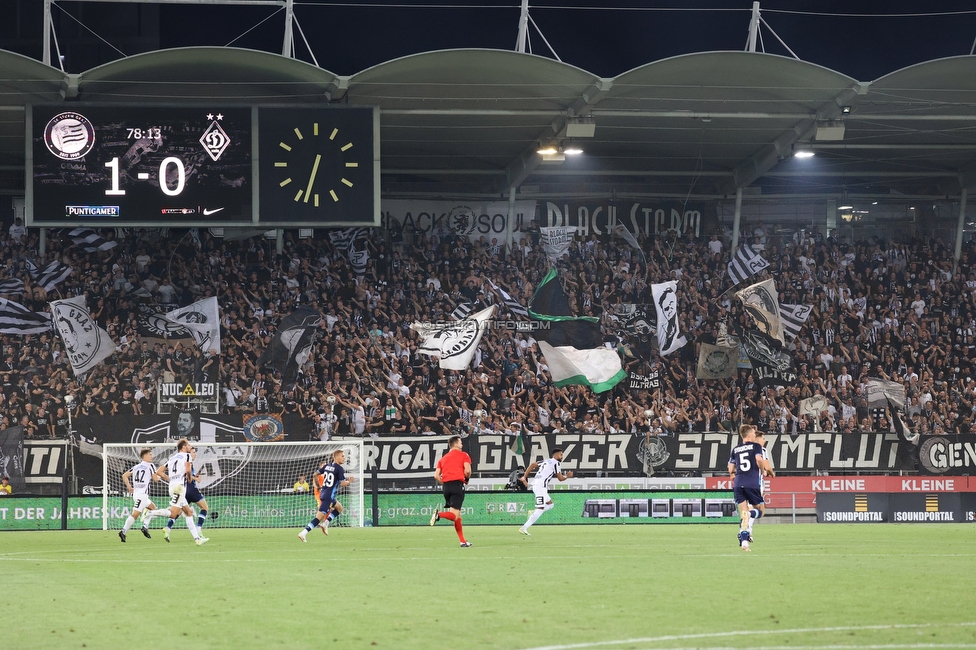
(639, 217)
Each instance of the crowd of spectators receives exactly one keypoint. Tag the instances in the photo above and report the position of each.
(896, 310)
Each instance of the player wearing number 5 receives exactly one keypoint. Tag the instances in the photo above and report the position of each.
(333, 477)
(137, 481)
(747, 464)
(548, 470)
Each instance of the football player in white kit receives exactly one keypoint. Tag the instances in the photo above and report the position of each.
(548, 470)
(137, 481)
(177, 471)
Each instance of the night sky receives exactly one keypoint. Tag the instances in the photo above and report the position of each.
(606, 37)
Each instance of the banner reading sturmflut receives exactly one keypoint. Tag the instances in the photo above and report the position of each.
(85, 342)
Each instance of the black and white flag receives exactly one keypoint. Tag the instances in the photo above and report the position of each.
(770, 365)
(345, 238)
(11, 286)
(462, 311)
(717, 362)
(292, 344)
(12, 457)
(49, 276)
(669, 337)
(511, 304)
(202, 319)
(453, 343)
(792, 317)
(898, 426)
(17, 319)
(359, 259)
(882, 391)
(90, 240)
(761, 302)
(85, 342)
(555, 241)
(745, 264)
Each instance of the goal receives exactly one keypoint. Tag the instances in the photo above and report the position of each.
(246, 485)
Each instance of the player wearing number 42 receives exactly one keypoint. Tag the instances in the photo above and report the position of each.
(747, 464)
(137, 481)
(333, 477)
(548, 470)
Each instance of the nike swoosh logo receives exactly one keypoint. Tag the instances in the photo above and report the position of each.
(207, 212)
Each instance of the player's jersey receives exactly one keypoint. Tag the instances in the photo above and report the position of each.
(176, 466)
(332, 475)
(745, 459)
(142, 477)
(546, 472)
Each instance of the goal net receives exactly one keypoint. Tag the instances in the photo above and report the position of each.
(246, 485)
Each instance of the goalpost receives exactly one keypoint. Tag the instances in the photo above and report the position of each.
(246, 485)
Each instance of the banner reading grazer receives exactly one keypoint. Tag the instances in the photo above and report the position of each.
(415, 457)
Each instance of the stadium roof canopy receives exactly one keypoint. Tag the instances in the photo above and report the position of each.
(468, 123)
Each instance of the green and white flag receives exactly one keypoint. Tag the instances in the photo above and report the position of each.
(598, 368)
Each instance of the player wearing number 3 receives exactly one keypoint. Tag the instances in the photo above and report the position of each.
(548, 470)
(747, 464)
(333, 477)
(141, 475)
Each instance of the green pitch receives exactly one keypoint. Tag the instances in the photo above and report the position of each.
(843, 586)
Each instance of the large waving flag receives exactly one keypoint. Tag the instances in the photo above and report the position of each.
(770, 364)
(745, 264)
(292, 344)
(11, 286)
(717, 362)
(573, 346)
(49, 276)
(761, 302)
(555, 241)
(453, 343)
(202, 318)
(793, 317)
(669, 336)
(86, 343)
(90, 240)
(17, 319)
(511, 304)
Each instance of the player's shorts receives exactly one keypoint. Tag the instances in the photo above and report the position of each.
(325, 506)
(177, 501)
(454, 494)
(141, 501)
(752, 495)
(541, 495)
(193, 494)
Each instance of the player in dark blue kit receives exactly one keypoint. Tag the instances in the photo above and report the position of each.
(333, 477)
(193, 493)
(747, 464)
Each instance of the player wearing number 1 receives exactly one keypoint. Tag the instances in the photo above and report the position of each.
(141, 477)
(747, 464)
(333, 477)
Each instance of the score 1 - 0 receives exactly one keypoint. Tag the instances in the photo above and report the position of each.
(161, 177)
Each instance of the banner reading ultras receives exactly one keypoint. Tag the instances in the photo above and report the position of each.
(99, 165)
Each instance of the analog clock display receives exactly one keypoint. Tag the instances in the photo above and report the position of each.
(316, 166)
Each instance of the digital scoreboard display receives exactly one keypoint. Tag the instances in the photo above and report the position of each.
(140, 165)
(208, 165)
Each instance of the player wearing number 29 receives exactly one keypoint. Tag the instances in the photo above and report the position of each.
(141, 476)
(333, 477)
(453, 471)
(548, 470)
(747, 464)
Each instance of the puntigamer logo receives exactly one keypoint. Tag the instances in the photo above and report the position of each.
(69, 136)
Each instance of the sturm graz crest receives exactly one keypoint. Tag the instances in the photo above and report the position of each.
(153, 323)
(462, 220)
(75, 327)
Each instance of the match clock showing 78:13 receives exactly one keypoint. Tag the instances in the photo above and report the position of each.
(318, 166)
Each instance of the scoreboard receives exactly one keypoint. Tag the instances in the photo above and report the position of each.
(221, 165)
